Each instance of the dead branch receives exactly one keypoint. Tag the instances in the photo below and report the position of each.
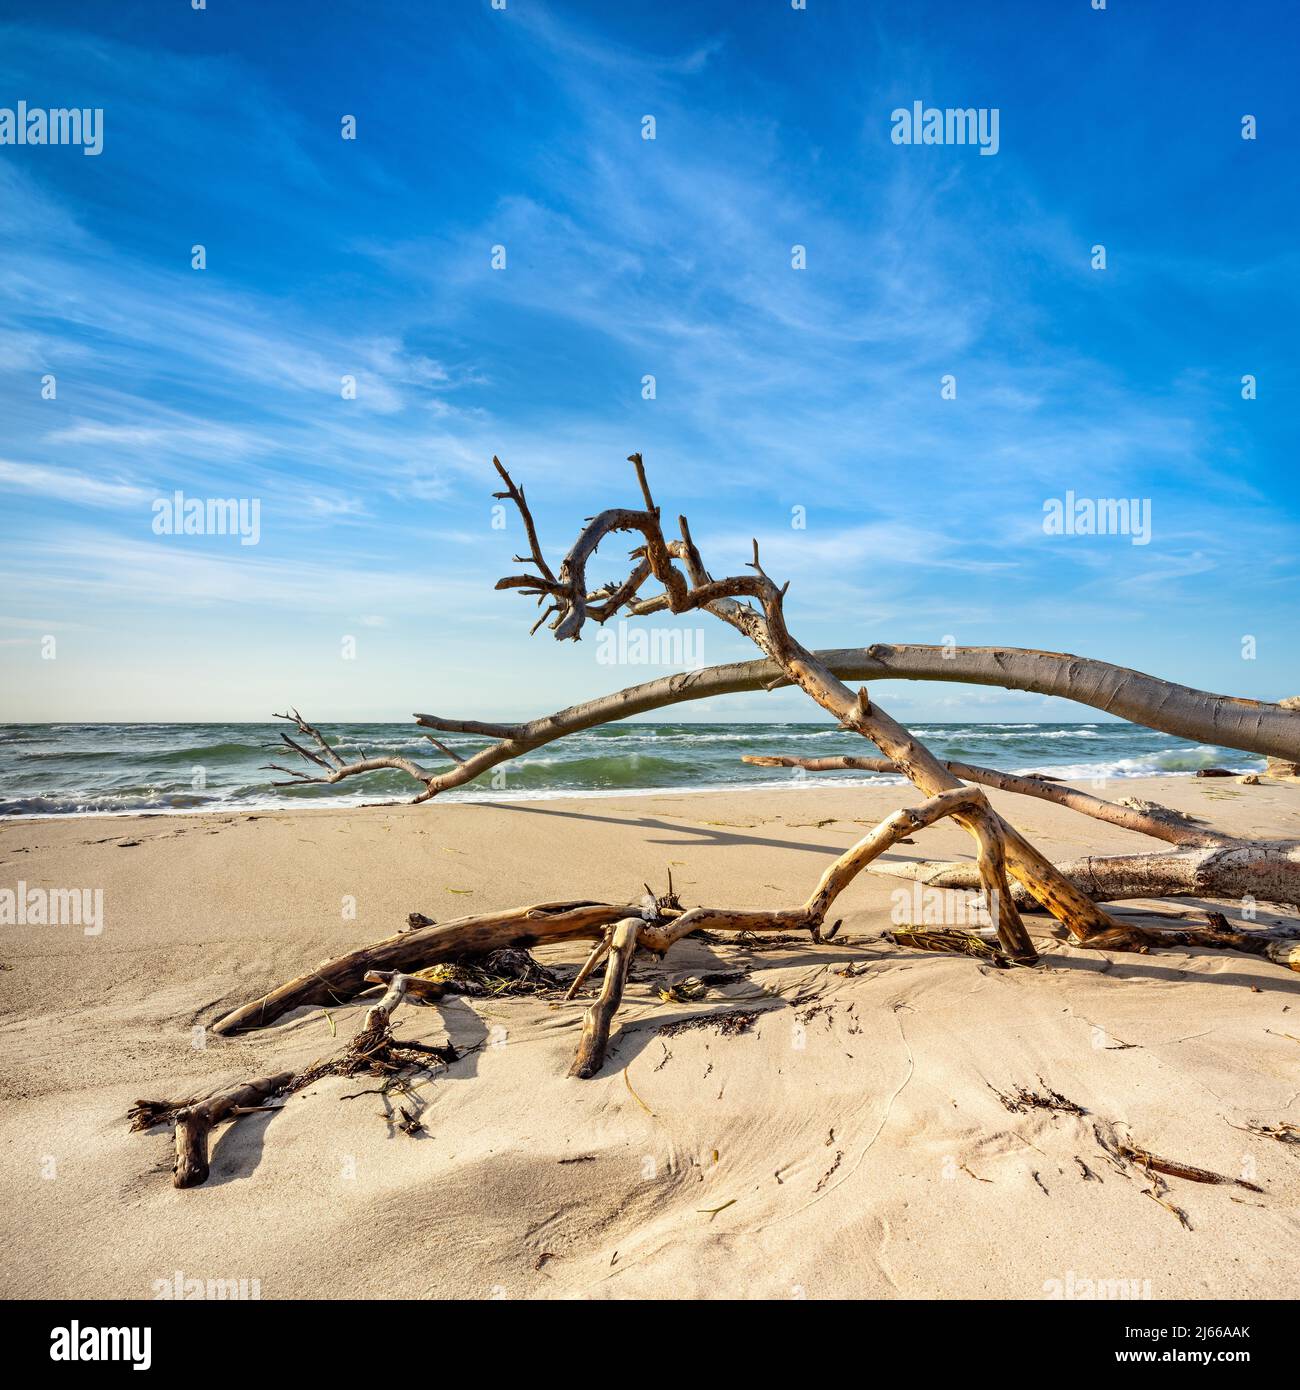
(596, 1022)
(754, 605)
(654, 924)
(1252, 871)
(335, 981)
(334, 766)
(1253, 726)
(1143, 817)
(195, 1121)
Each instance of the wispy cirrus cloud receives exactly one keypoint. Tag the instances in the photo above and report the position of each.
(775, 387)
(68, 485)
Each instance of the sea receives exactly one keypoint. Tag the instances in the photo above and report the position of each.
(126, 769)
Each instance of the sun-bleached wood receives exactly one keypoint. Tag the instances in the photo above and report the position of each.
(658, 923)
(1145, 819)
(1212, 864)
(1250, 725)
(753, 604)
(596, 1021)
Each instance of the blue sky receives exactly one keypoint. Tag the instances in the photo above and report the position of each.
(776, 388)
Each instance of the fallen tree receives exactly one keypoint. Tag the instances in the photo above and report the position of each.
(1250, 725)
(1208, 863)
(754, 605)
(1007, 870)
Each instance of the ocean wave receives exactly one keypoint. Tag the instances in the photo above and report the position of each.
(1122, 768)
(51, 770)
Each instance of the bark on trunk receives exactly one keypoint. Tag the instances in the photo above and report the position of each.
(194, 1123)
(1176, 709)
(1257, 871)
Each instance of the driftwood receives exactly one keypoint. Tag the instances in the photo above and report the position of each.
(754, 605)
(195, 1120)
(336, 981)
(596, 1021)
(661, 922)
(1209, 864)
(372, 1049)
(1249, 872)
(1255, 727)
(1143, 817)
(1007, 870)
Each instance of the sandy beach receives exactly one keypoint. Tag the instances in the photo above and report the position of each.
(850, 1142)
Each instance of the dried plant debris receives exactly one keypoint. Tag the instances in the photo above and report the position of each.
(1127, 1158)
(1157, 1192)
(953, 942)
(728, 1024)
(507, 971)
(410, 1123)
(830, 1172)
(1153, 1163)
(377, 1053)
(1022, 1100)
(696, 987)
(1283, 1132)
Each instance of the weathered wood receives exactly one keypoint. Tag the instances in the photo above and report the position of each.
(335, 981)
(195, 1122)
(1250, 725)
(600, 1014)
(1258, 871)
(754, 605)
(593, 960)
(379, 1015)
(1144, 817)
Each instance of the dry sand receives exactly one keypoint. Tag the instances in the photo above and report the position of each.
(849, 1144)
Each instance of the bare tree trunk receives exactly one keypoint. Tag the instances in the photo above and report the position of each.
(1143, 817)
(1244, 871)
(755, 606)
(1252, 726)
